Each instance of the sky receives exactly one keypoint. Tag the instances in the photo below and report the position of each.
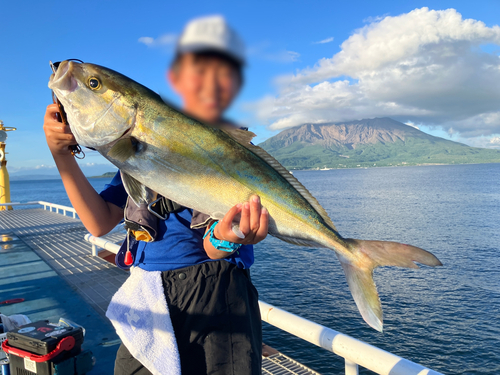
(430, 64)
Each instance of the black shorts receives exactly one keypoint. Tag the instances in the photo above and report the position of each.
(216, 319)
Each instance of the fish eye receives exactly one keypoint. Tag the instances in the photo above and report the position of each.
(94, 83)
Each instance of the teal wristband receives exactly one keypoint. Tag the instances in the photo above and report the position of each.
(219, 244)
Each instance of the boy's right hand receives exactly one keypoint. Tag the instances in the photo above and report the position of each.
(58, 135)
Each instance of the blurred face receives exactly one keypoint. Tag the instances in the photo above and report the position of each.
(207, 85)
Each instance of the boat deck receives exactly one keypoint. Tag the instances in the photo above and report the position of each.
(39, 249)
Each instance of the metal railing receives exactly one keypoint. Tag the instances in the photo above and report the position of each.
(355, 352)
(101, 243)
(45, 205)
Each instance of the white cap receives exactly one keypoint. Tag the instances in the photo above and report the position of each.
(211, 33)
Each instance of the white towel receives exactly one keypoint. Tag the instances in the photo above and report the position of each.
(140, 315)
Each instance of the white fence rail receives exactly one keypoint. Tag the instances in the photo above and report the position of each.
(353, 351)
(46, 205)
(98, 242)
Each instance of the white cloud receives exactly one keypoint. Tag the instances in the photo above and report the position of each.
(43, 166)
(290, 56)
(327, 40)
(495, 142)
(282, 56)
(161, 41)
(35, 169)
(375, 19)
(412, 124)
(481, 141)
(425, 66)
(147, 40)
(263, 51)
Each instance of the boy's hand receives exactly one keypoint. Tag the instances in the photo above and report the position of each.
(254, 220)
(58, 135)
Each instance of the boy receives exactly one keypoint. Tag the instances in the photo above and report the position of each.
(212, 302)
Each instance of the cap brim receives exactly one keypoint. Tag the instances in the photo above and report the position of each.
(200, 47)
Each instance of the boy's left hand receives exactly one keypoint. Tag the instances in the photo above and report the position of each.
(253, 223)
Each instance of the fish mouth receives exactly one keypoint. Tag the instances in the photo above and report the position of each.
(63, 78)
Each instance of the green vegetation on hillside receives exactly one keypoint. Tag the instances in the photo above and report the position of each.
(412, 151)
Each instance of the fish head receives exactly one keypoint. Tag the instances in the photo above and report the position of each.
(100, 104)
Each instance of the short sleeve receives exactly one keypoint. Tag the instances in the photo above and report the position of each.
(114, 192)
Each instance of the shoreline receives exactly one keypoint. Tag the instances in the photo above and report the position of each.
(387, 166)
(56, 177)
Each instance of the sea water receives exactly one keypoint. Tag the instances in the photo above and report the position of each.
(446, 318)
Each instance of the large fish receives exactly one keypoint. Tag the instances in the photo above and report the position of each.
(159, 149)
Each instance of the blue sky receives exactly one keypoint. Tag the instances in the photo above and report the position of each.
(308, 61)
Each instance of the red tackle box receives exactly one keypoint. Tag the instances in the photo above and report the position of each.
(34, 347)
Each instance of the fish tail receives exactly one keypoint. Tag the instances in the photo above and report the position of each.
(368, 255)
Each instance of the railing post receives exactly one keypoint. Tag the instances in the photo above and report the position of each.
(94, 250)
(351, 368)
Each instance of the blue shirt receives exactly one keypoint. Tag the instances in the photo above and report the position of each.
(177, 245)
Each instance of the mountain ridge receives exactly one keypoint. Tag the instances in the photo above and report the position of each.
(362, 143)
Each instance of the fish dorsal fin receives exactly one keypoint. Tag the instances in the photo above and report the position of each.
(244, 137)
(136, 190)
(122, 150)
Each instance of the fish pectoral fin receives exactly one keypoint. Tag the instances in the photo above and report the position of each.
(371, 254)
(138, 192)
(122, 149)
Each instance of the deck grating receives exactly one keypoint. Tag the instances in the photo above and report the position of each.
(59, 241)
(280, 364)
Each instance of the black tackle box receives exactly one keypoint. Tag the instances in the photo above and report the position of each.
(42, 339)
